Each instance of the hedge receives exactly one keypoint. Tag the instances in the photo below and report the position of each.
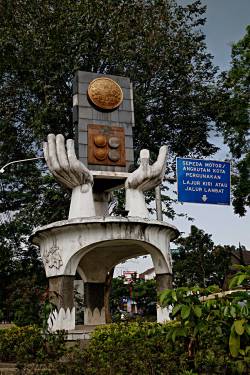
(117, 349)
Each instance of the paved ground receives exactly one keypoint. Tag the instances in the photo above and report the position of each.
(6, 325)
(7, 368)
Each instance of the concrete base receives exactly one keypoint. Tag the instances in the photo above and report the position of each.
(162, 314)
(82, 332)
(92, 247)
(62, 320)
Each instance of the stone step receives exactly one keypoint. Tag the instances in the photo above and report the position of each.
(7, 368)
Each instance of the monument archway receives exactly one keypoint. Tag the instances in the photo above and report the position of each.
(92, 247)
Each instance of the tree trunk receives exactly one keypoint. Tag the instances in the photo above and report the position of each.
(107, 290)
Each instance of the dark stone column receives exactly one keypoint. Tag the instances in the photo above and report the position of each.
(94, 303)
(164, 281)
(94, 295)
(63, 288)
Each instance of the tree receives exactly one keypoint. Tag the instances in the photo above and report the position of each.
(22, 280)
(143, 292)
(146, 296)
(234, 121)
(197, 261)
(119, 291)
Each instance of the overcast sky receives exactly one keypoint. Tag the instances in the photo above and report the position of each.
(226, 24)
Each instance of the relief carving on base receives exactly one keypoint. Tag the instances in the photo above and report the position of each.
(52, 257)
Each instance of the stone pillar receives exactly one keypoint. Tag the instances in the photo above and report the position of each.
(94, 311)
(163, 281)
(62, 291)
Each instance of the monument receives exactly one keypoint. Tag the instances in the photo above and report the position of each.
(90, 242)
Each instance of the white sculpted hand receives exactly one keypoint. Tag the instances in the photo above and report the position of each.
(64, 165)
(147, 177)
(144, 178)
(71, 173)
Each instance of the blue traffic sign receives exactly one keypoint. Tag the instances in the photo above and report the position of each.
(203, 181)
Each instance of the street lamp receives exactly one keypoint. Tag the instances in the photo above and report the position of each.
(19, 161)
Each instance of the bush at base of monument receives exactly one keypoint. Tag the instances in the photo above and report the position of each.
(211, 337)
(134, 348)
(28, 344)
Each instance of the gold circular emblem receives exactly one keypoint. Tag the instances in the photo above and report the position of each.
(100, 153)
(105, 93)
(100, 140)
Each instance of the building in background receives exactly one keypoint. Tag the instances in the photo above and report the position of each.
(149, 274)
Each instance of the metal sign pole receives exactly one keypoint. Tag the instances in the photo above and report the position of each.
(158, 203)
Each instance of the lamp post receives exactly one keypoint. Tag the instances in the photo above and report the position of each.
(19, 161)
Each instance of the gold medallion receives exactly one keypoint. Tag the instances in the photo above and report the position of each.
(105, 93)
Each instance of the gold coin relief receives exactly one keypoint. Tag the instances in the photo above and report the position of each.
(100, 153)
(100, 140)
(105, 93)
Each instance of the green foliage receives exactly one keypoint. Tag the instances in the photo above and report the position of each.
(197, 261)
(141, 291)
(153, 348)
(22, 280)
(241, 278)
(140, 347)
(233, 119)
(28, 344)
(209, 335)
(218, 321)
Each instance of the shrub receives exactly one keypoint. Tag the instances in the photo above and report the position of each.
(25, 344)
(216, 326)
(136, 348)
(209, 336)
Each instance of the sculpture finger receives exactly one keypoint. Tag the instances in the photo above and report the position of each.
(153, 174)
(144, 156)
(46, 155)
(61, 152)
(136, 178)
(50, 155)
(159, 167)
(76, 166)
(63, 160)
(156, 171)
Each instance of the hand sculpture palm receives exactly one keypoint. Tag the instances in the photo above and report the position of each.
(71, 173)
(144, 178)
(64, 164)
(147, 177)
